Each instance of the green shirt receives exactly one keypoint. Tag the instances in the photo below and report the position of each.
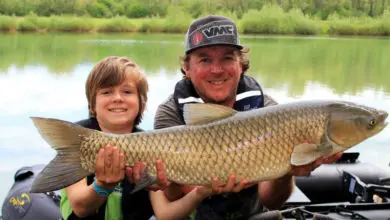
(113, 206)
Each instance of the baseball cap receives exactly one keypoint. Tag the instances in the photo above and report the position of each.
(211, 30)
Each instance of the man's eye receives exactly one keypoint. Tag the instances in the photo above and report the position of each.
(128, 91)
(229, 58)
(205, 60)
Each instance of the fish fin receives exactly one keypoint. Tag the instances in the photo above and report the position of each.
(305, 153)
(145, 181)
(65, 169)
(59, 173)
(198, 113)
(59, 133)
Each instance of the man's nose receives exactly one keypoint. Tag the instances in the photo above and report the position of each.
(216, 67)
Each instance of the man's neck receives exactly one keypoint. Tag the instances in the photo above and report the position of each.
(227, 103)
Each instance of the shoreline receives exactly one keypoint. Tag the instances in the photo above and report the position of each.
(290, 25)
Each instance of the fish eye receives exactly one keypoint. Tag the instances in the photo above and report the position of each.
(372, 123)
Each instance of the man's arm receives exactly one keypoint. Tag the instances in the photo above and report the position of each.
(167, 115)
(274, 193)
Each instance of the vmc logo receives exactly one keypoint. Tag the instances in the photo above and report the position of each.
(219, 30)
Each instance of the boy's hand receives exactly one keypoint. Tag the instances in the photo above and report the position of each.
(134, 175)
(110, 167)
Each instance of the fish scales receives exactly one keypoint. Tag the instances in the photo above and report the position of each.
(257, 145)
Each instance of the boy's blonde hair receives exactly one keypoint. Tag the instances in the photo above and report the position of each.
(111, 71)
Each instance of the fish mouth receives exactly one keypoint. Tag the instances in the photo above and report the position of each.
(385, 114)
(382, 117)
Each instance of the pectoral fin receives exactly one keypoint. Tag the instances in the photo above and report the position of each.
(306, 153)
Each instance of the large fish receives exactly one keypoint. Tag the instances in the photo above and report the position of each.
(260, 144)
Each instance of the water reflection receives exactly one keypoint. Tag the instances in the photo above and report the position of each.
(44, 75)
(343, 64)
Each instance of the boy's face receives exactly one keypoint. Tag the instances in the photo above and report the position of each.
(215, 72)
(117, 107)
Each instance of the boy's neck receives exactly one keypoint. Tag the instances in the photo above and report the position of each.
(118, 130)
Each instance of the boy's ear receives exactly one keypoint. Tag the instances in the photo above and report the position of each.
(142, 105)
(92, 111)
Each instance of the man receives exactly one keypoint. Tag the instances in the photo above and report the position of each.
(214, 67)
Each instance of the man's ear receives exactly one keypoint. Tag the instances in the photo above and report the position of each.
(186, 71)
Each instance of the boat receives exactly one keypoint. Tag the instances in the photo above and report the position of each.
(347, 189)
(21, 204)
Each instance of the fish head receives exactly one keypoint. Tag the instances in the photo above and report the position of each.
(349, 123)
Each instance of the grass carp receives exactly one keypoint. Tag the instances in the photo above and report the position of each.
(259, 144)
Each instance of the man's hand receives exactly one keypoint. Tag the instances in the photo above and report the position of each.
(308, 168)
(217, 187)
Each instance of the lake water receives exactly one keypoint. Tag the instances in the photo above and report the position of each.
(44, 75)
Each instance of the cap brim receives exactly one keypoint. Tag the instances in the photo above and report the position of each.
(214, 44)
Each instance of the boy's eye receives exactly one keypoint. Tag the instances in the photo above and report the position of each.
(105, 92)
(128, 91)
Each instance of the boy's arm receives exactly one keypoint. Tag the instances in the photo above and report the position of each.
(178, 209)
(83, 198)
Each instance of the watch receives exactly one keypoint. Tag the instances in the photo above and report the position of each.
(102, 192)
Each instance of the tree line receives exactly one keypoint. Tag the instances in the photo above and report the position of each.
(320, 9)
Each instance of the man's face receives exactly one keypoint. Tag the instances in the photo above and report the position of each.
(215, 72)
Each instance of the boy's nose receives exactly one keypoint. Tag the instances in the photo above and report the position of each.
(117, 96)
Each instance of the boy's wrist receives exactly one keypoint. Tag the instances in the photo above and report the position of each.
(102, 191)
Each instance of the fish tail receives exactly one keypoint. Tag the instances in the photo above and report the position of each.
(65, 169)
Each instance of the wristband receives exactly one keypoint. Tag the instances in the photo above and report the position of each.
(101, 191)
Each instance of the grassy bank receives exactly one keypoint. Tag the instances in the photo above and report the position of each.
(269, 20)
